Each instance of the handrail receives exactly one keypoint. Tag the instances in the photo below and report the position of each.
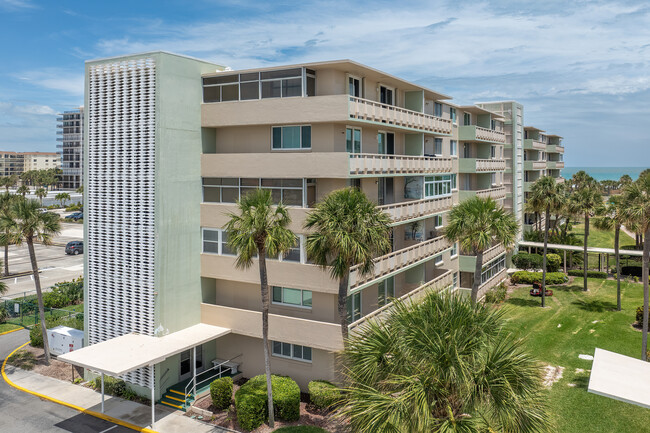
(411, 209)
(404, 297)
(490, 134)
(490, 192)
(194, 377)
(389, 163)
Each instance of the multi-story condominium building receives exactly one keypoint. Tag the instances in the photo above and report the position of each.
(70, 135)
(40, 161)
(11, 163)
(173, 142)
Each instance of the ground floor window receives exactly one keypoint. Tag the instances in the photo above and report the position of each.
(493, 268)
(291, 351)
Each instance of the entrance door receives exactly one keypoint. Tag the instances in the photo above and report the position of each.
(186, 365)
(386, 143)
(386, 95)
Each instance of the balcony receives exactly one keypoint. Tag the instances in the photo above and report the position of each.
(530, 144)
(534, 165)
(312, 333)
(411, 210)
(467, 263)
(555, 148)
(554, 164)
(528, 186)
(323, 109)
(438, 283)
(399, 260)
(477, 133)
(473, 165)
(333, 165)
(367, 110)
(497, 193)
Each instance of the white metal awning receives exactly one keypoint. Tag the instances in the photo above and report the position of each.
(620, 377)
(129, 352)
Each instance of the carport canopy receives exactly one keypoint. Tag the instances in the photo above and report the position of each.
(126, 353)
(620, 377)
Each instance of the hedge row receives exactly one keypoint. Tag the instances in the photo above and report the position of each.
(590, 274)
(221, 392)
(525, 277)
(523, 260)
(323, 394)
(251, 401)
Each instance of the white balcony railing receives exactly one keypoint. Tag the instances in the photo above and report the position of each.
(438, 283)
(490, 164)
(365, 109)
(415, 209)
(490, 135)
(370, 163)
(495, 193)
(396, 260)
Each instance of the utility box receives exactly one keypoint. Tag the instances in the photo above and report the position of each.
(63, 339)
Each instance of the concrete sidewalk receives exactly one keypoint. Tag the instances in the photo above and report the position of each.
(167, 420)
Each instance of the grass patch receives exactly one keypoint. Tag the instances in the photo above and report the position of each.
(600, 238)
(587, 320)
(301, 429)
(6, 327)
(23, 359)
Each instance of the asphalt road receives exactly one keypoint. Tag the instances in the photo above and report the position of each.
(24, 413)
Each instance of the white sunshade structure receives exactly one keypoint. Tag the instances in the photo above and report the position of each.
(620, 377)
(129, 352)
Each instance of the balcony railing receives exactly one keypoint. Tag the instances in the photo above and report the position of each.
(478, 133)
(397, 260)
(416, 209)
(530, 143)
(534, 165)
(438, 283)
(490, 164)
(369, 163)
(495, 193)
(467, 262)
(364, 109)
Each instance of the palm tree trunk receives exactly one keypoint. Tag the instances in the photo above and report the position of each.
(39, 295)
(585, 265)
(617, 232)
(548, 214)
(7, 257)
(644, 275)
(343, 303)
(477, 276)
(265, 331)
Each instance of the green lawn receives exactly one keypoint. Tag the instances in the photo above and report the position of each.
(4, 327)
(601, 238)
(559, 333)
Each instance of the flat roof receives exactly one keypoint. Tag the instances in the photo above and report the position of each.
(478, 110)
(345, 65)
(636, 253)
(620, 377)
(129, 352)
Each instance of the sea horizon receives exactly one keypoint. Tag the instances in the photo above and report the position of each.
(604, 173)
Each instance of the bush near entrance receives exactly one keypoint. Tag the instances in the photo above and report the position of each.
(221, 392)
(251, 404)
(323, 394)
(525, 277)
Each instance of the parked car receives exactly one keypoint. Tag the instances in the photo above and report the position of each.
(74, 247)
(75, 216)
(537, 290)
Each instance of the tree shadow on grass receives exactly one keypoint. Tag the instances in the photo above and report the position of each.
(596, 305)
(581, 381)
(524, 302)
(568, 289)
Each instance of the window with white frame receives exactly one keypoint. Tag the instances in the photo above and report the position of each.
(354, 86)
(292, 297)
(354, 307)
(437, 221)
(454, 181)
(437, 109)
(282, 83)
(290, 192)
(385, 291)
(353, 140)
(454, 249)
(291, 351)
(291, 137)
(437, 186)
(453, 147)
(467, 119)
(454, 283)
(215, 241)
(437, 146)
(493, 268)
(437, 260)
(452, 112)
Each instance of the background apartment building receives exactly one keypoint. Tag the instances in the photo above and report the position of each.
(70, 131)
(185, 140)
(11, 163)
(41, 161)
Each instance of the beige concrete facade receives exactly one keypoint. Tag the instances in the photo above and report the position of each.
(41, 160)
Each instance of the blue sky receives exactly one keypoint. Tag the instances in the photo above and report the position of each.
(581, 68)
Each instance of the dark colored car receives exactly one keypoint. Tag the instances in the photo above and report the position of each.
(75, 216)
(74, 247)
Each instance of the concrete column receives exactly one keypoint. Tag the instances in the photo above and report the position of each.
(153, 396)
(564, 261)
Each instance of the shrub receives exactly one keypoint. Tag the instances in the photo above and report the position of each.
(527, 261)
(221, 392)
(639, 314)
(323, 394)
(4, 314)
(633, 271)
(115, 387)
(553, 262)
(590, 274)
(525, 277)
(251, 404)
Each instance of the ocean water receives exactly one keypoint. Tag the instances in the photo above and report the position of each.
(604, 173)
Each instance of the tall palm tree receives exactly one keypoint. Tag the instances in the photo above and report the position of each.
(62, 197)
(441, 364)
(586, 199)
(613, 215)
(80, 190)
(533, 206)
(41, 193)
(26, 223)
(637, 205)
(6, 201)
(549, 195)
(260, 229)
(23, 190)
(477, 224)
(348, 229)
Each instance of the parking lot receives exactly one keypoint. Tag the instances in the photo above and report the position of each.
(55, 265)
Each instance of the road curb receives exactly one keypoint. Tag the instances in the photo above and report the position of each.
(13, 330)
(70, 405)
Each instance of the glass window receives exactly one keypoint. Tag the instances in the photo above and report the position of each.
(385, 291)
(452, 112)
(230, 92)
(285, 73)
(291, 137)
(353, 140)
(250, 90)
(437, 260)
(311, 86)
(437, 186)
(454, 249)
(354, 307)
(271, 89)
(292, 87)
(220, 79)
(354, 87)
(292, 297)
(437, 221)
(212, 94)
(467, 119)
(293, 255)
(493, 268)
(437, 106)
(453, 147)
(437, 146)
(292, 351)
(211, 241)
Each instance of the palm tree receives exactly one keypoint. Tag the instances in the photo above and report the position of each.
(62, 197)
(549, 195)
(477, 224)
(637, 205)
(23, 190)
(533, 206)
(441, 364)
(6, 201)
(260, 230)
(348, 229)
(41, 193)
(80, 190)
(613, 215)
(26, 223)
(625, 180)
(585, 199)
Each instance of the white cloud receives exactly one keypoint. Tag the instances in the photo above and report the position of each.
(55, 79)
(16, 4)
(9, 108)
